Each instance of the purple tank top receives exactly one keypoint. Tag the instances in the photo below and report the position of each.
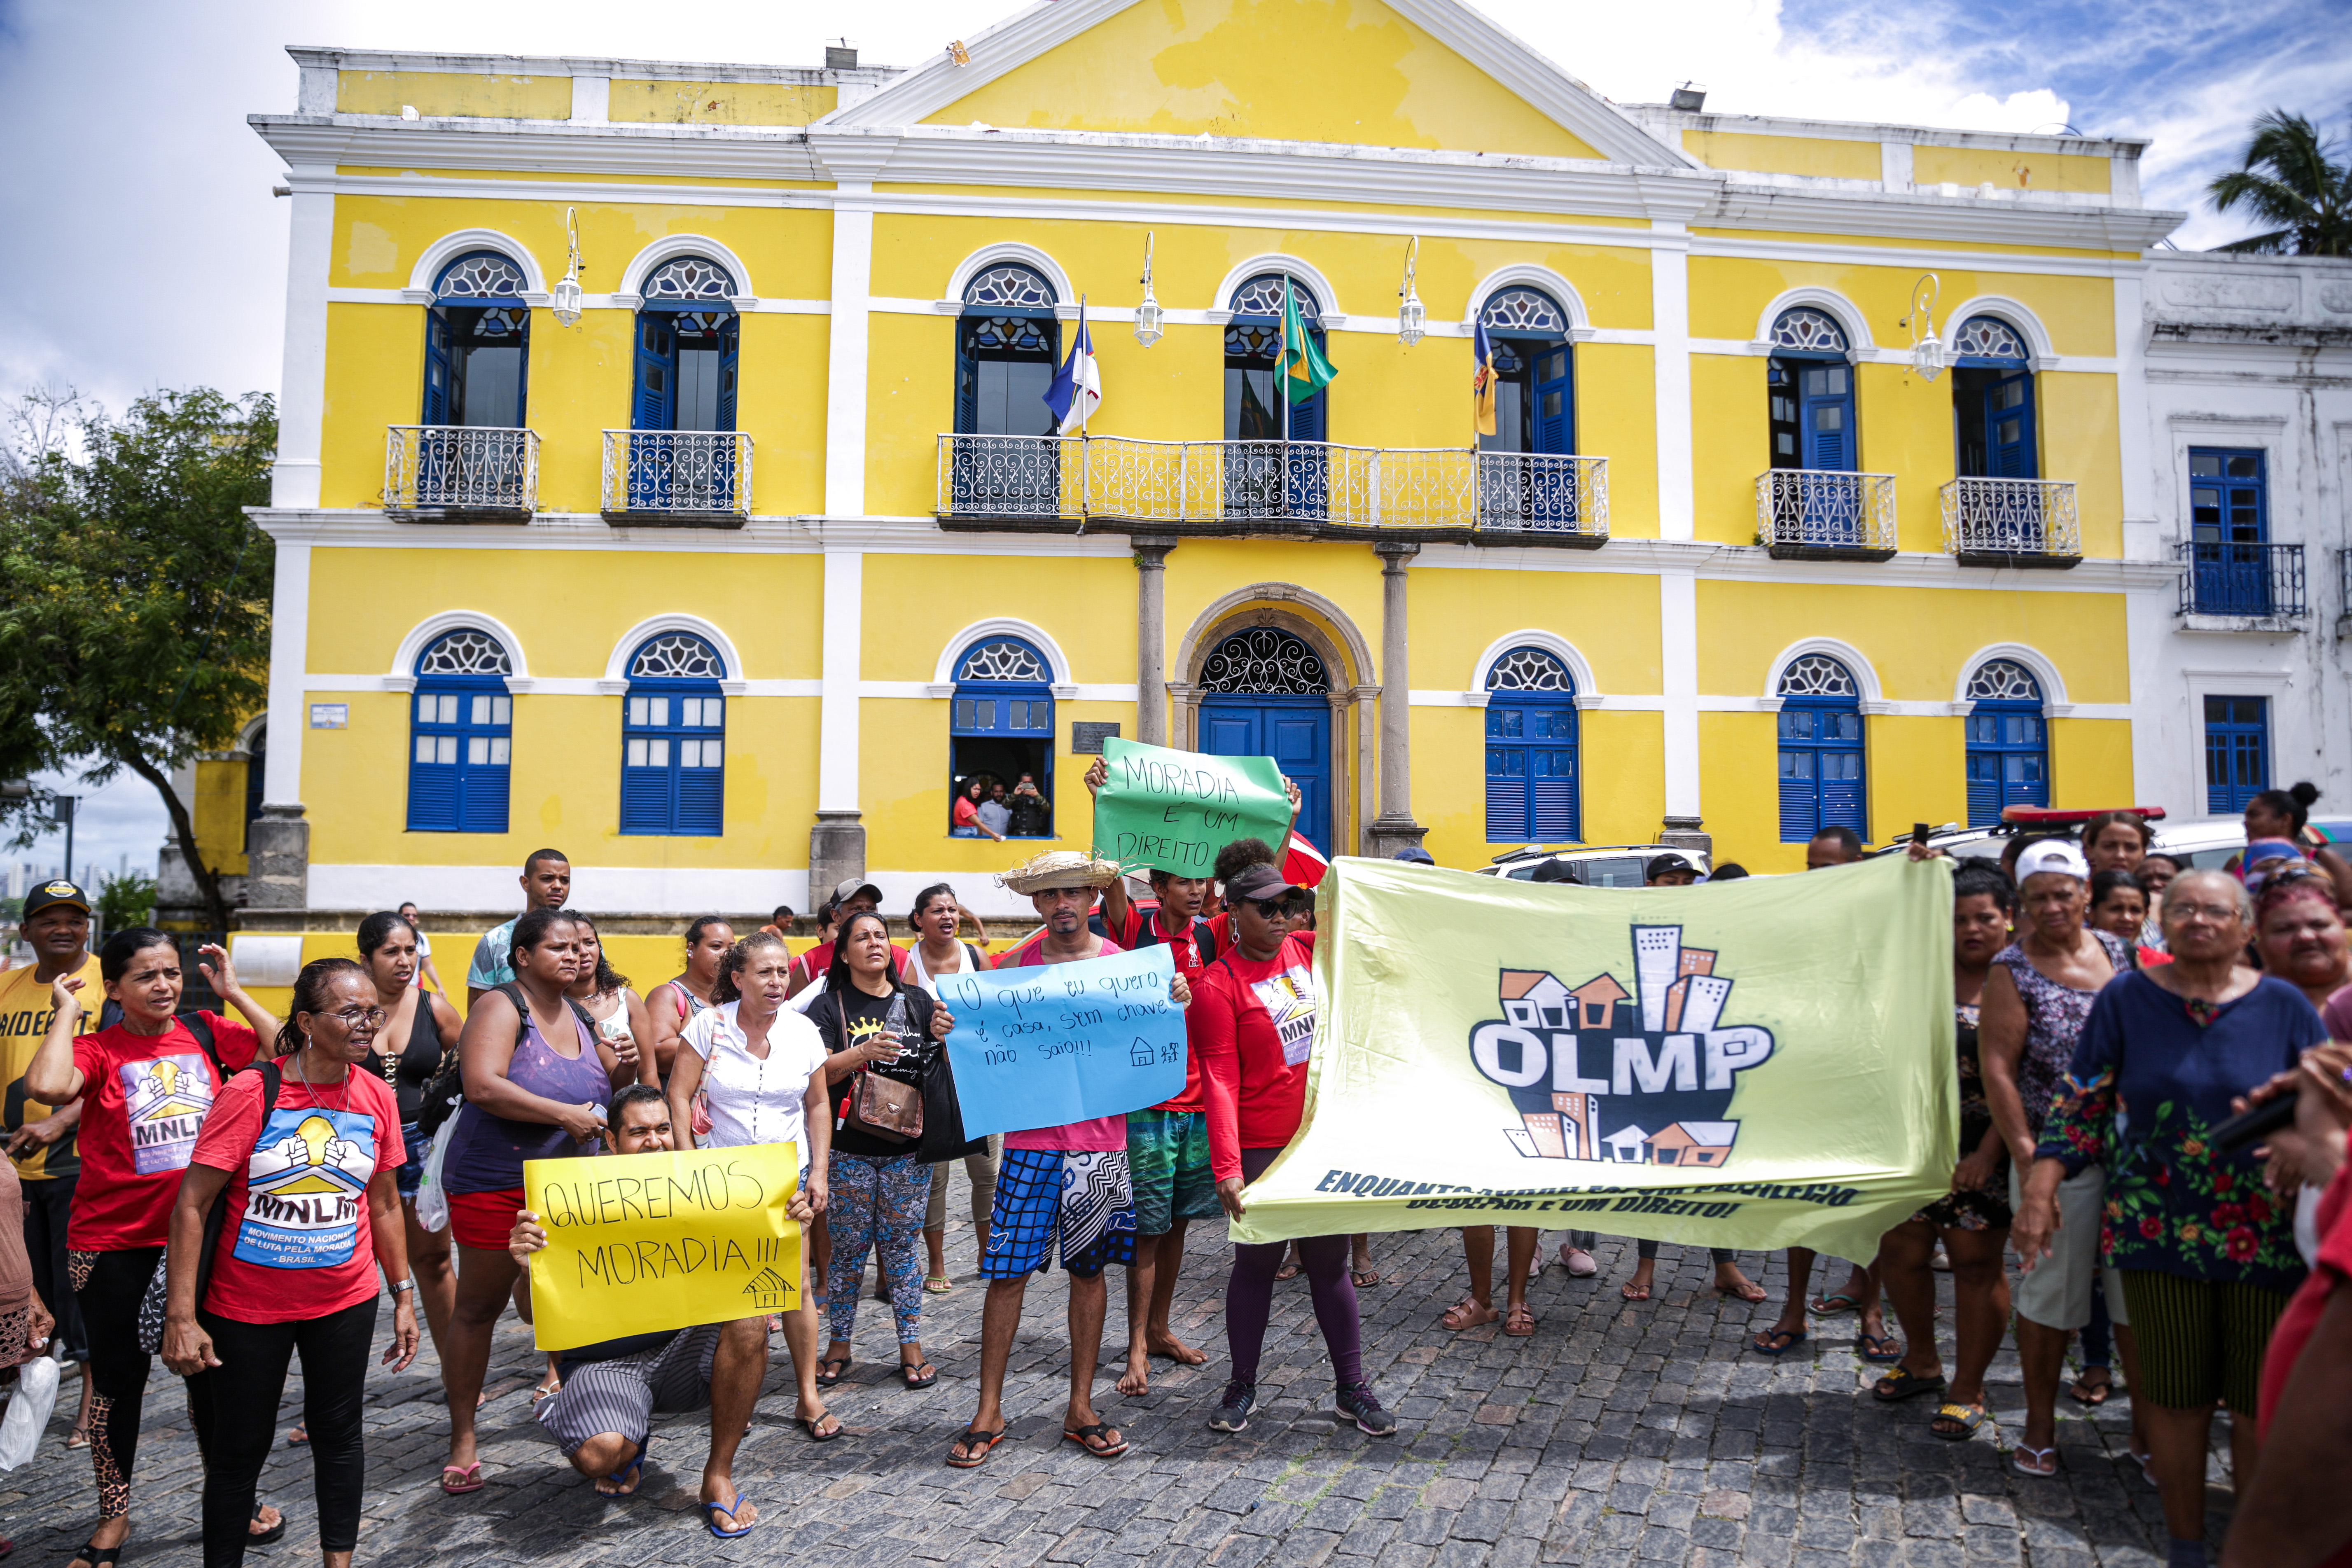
(487, 1153)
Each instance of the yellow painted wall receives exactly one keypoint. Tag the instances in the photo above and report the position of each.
(496, 97)
(720, 103)
(1933, 165)
(1294, 70)
(2091, 764)
(1085, 604)
(1728, 295)
(1822, 157)
(219, 814)
(1904, 425)
(2081, 439)
(1730, 445)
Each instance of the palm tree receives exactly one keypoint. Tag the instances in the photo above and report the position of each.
(2288, 179)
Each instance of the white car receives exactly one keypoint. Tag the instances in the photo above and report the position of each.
(2213, 843)
(1597, 864)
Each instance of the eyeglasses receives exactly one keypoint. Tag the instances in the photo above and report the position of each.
(2219, 914)
(352, 1017)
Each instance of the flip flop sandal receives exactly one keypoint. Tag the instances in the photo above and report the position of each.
(914, 1376)
(1903, 1384)
(711, 1510)
(1967, 1416)
(1633, 1292)
(79, 1438)
(1514, 1317)
(2094, 1394)
(624, 1480)
(538, 1395)
(2146, 1463)
(1777, 1342)
(1751, 1292)
(97, 1555)
(270, 1537)
(828, 1379)
(2017, 1462)
(1364, 1279)
(814, 1436)
(938, 1284)
(1288, 1271)
(976, 1446)
(469, 1478)
(1879, 1348)
(1827, 1307)
(1088, 1437)
(1464, 1314)
(298, 1435)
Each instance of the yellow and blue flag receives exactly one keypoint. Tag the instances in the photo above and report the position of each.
(1305, 369)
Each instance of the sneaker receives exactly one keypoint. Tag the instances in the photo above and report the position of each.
(1356, 1403)
(1234, 1411)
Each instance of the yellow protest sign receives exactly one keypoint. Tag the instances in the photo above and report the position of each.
(639, 1243)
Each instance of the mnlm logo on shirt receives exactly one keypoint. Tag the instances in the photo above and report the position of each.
(1288, 999)
(1641, 1077)
(306, 1189)
(165, 1100)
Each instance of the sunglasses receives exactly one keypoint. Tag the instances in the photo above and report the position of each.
(1288, 907)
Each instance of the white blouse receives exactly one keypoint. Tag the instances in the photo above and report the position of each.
(752, 1101)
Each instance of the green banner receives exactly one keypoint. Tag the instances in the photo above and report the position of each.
(1763, 1064)
(1174, 810)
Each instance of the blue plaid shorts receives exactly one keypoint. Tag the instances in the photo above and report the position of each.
(1085, 1198)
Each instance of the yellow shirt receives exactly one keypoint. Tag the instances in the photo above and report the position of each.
(24, 1014)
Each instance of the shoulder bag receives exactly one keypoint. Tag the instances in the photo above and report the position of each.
(879, 1107)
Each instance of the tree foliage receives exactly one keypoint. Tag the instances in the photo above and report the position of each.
(134, 592)
(126, 900)
(2289, 179)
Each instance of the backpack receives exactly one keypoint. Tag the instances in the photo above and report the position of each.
(445, 1090)
(151, 1305)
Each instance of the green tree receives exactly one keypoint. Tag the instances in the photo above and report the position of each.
(2289, 178)
(126, 900)
(134, 593)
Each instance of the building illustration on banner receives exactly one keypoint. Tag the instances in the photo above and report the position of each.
(1600, 1073)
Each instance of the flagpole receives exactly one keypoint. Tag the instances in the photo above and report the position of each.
(1282, 355)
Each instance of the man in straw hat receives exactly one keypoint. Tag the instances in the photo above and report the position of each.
(1068, 1182)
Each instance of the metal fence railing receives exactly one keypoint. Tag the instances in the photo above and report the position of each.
(2011, 519)
(2226, 577)
(460, 470)
(1824, 509)
(678, 474)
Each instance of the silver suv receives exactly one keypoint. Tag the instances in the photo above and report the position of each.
(1596, 866)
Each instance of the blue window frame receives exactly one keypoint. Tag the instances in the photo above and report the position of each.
(1007, 340)
(1810, 393)
(2237, 752)
(1272, 481)
(461, 736)
(1992, 401)
(673, 739)
(2229, 530)
(2008, 742)
(478, 344)
(1822, 782)
(688, 336)
(1535, 398)
(1000, 725)
(1531, 773)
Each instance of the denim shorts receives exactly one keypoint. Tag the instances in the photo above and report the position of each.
(410, 1175)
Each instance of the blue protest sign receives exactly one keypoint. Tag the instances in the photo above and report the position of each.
(1063, 1042)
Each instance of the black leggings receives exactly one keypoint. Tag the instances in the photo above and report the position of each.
(108, 1287)
(234, 1407)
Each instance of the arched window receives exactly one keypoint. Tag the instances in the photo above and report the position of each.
(1001, 732)
(477, 343)
(2008, 743)
(1822, 783)
(461, 743)
(1266, 692)
(686, 354)
(1810, 392)
(1992, 396)
(1535, 404)
(673, 739)
(1007, 342)
(1272, 481)
(1531, 790)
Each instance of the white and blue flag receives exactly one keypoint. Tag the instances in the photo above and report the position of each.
(1077, 391)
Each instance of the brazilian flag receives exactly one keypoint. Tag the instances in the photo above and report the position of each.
(1306, 371)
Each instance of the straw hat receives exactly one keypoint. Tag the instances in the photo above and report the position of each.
(1059, 869)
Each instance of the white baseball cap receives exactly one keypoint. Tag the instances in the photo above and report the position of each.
(2052, 855)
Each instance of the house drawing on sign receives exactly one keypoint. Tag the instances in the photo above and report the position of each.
(1624, 1145)
(1694, 1144)
(1594, 1000)
(1532, 999)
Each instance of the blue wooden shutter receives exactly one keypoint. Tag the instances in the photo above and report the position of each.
(1984, 789)
(1506, 774)
(967, 385)
(2009, 427)
(2237, 752)
(431, 783)
(1552, 405)
(1827, 407)
(1552, 774)
(1799, 787)
(653, 406)
(523, 371)
(730, 338)
(1306, 422)
(436, 366)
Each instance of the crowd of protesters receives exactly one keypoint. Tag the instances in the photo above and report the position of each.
(2114, 1007)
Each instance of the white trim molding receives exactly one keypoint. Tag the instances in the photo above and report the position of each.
(1527, 275)
(2054, 704)
(951, 653)
(2042, 354)
(1865, 678)
(997, 252)
(457, 243)
(1221, 305)
(1858, 344)
(615, 679)
(630, 295)
(402, 676)
(1579, 669)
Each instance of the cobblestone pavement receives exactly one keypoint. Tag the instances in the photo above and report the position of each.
(1619, 1432)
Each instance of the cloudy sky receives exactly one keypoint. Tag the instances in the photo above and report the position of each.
(146, 249)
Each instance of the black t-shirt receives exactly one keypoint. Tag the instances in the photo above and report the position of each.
(864, 1018)
(1029, 820)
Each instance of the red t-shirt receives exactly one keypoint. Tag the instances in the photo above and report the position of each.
(302, 1247)
(1253, 1028)
(966, 814)
(1190, 961)
(144, 1098)
(1090, 1136)
(2296, 1325)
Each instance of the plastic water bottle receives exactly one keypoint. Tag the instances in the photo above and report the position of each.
(895, 1022)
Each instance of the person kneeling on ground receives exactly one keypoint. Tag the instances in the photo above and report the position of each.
(630, 1380)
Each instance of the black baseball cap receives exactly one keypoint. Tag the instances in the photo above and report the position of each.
(1557, 871)
(1260, 883)
(50, 894)
(1661, 865)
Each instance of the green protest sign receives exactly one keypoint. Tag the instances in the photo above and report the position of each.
(1174, 810)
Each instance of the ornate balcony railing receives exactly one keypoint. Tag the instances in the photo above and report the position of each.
(2012, 523)
(1249, 486)
(2227, 578)
(677, 477)
(461, 470)
(1818, 512)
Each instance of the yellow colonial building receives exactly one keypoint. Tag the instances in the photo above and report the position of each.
(667, 474)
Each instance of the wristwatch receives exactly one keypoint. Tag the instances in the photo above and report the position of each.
(400, 1285)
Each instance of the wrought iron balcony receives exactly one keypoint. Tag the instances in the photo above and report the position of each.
(1823, 514)
(2012, 523)
(455, 472)
(677, 477)
(1312, 487)
(2243, 581)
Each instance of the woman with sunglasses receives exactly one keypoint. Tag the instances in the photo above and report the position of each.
(1253, 1020)
(147, 1085)
(317, 1143)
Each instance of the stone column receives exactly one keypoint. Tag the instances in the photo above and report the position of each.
(1394, 828)
(278, 858)
(1151, 639)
